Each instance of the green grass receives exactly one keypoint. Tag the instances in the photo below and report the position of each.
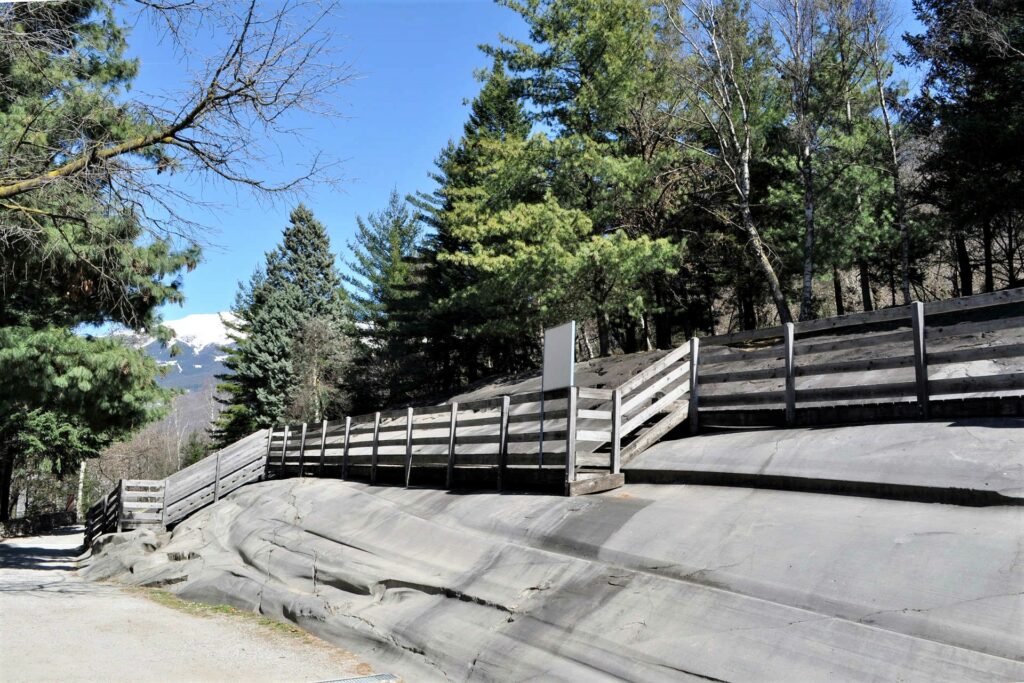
(201, 609)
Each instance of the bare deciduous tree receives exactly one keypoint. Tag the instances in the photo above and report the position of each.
(275, 59)
(720, 51)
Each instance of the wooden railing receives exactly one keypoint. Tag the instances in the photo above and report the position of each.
(786, 367)
(503, 435)
(133, 503)
(579, 437)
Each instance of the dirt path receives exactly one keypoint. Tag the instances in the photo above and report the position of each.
(57, 626)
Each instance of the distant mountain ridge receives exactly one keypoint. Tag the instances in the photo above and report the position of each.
(199, 339)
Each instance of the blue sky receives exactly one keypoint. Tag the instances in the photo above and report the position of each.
(415, 61)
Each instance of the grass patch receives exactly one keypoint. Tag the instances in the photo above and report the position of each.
(201, 609)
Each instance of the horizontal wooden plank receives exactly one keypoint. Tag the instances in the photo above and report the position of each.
(594, 393)
(741, 375)
(970, 385)
(859, 365)
(742, 336)
(744, 398)
(537, 396)
(480, 404)
(945, 331)
(847, 393)
(642, 397)
(966, 355)
(661, 405)
(853, 320)
(985, 300)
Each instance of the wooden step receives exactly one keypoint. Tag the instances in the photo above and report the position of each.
(594, 484)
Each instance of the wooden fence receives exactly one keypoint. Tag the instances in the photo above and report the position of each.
(890, 363)
(898, 362)
(520, 440)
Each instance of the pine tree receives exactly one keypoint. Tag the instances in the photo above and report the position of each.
(380, 269)
(299, 287)
(72, 254)
(971, 107)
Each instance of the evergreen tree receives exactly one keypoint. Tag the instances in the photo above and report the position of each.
(459, 347)
(971, 107)
(380, 270)
(72, 254)
(298, 285)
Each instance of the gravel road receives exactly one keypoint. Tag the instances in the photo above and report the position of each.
(55, 626)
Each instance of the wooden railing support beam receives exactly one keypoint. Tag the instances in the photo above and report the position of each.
(376, 448)
(570, 438)
(920, 357)
(344, 450)
(788, 331)
(302, 449)
(323, 448)
(616, 453)
(693, 414)
(506, 403)
(452, 425)
(216, 479)
(408, 445)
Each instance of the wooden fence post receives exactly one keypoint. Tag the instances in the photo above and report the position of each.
(616, 460)
(302, 449)
(408, 445)
(692, 411)
(163, 509)
(120, 505)
(376, 438)
(452, 424)
(920, 357)
(323, 448)
(344, 451)
(216, 478)
(503, 442)
(570, 438)
(284, 449)
(270, 445)
(789, 330)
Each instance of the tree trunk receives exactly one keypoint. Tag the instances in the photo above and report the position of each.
(6, 475)
(629, 338)
(1011, 274)
(897, 185)
(807, 293)
(662, 323)
(963, 265)
(748, 314)
(837, 288)
(604, 334)
(986, 248)
(79, 503)
(865, 286)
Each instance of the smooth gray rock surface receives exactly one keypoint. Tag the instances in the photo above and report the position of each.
(975, 454)
(645, 583)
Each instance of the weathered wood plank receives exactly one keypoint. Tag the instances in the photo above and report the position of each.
(670, 397)
(653, 370)
(970, 385)
(656, 432)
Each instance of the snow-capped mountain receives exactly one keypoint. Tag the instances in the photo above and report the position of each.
(199, 340)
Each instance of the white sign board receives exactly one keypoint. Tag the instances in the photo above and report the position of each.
(559, 357)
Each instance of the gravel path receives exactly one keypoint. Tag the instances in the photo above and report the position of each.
(55, 626)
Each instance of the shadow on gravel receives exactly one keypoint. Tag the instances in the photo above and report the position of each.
(43, 559)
